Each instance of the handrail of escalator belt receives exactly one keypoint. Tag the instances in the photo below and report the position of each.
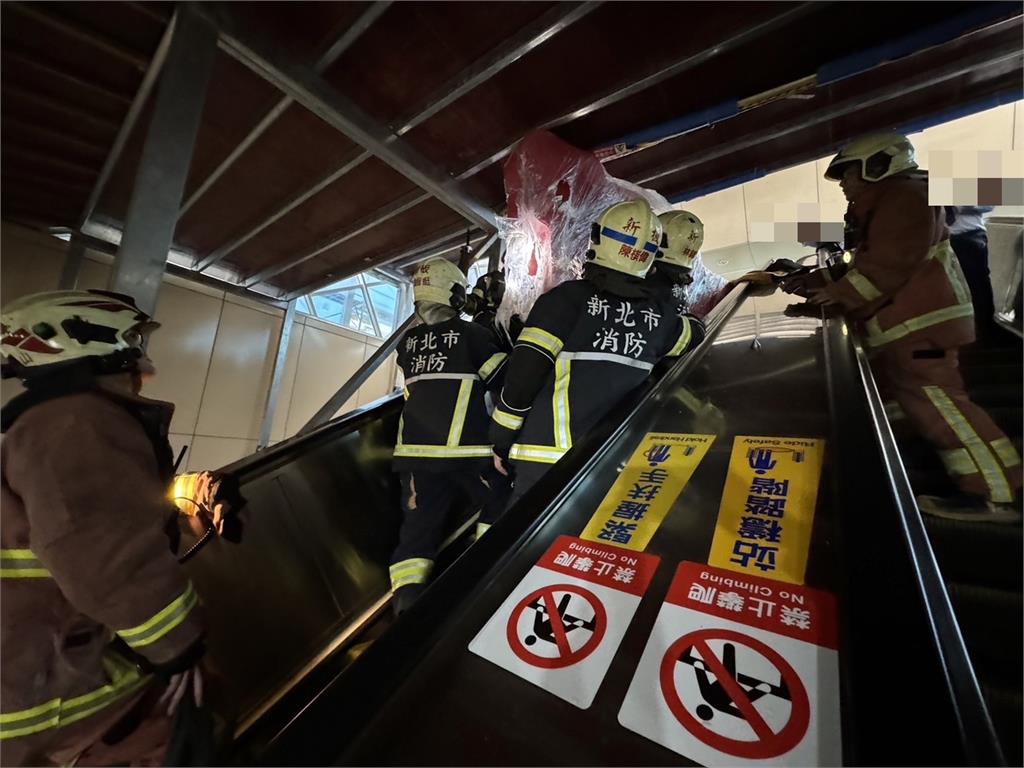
(981, 745)
(419, 626)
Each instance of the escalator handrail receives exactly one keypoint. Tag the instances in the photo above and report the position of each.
(281, 452)
(978, 735)
(419, 628)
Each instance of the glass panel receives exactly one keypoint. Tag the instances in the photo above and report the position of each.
(385, 301)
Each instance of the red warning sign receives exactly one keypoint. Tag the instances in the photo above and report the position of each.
(557, 626)
(740, 670)
(727, 692)
(560, 627)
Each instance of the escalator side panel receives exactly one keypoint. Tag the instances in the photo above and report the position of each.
(319, 528)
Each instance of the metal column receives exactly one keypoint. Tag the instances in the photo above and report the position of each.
(280, 359)
(166, 157)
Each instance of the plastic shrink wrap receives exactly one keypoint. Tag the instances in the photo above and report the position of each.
(554, 192)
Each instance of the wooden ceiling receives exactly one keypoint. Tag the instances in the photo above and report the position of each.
(280, 200)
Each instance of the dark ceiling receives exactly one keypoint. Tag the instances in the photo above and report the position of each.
(281, 200)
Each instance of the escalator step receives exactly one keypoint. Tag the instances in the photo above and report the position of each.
(983, 554)
(1006, 707)
(993, 629)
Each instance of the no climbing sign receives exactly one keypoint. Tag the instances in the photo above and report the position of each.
(560, 627)
(740, 670)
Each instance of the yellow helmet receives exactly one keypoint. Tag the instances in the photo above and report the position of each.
(684, 236)
(626, 238)
(45, 329)
(440, 281)
(879, 156)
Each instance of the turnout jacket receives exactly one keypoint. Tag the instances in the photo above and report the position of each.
(448, 366)
(90, 584)
(905, 282)
(582, 349)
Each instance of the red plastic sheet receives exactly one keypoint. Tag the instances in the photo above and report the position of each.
(554, 193)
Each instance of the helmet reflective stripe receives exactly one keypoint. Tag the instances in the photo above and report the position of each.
(626, 238)
(621, 237)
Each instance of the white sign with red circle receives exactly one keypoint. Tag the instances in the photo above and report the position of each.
(740, 670)
(560, 628)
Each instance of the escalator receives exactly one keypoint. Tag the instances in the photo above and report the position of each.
(908, 691)
(983, 563)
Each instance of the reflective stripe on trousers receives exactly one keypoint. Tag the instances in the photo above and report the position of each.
(125, 679)
(980, 452)
(415, 570)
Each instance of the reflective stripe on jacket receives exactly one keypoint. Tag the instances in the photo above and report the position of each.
(448, 366)
(85, 558)
(581, 351)
(905, 282)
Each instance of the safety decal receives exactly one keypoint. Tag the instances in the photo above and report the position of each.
(740, 670)
(767, 509)
(645, 490)
(560, 628)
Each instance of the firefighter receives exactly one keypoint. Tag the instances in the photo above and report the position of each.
(682, 238)
(586, 344)
(102, 633)
(906, 288)
(448, 363)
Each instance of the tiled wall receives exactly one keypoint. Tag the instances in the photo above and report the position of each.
(214, 354)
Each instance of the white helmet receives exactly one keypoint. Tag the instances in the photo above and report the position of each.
(57, 327)
(879, 156)
(684, 236)
(626, 238)
(440, 281)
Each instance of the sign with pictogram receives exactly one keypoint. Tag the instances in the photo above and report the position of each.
(740, 670)
(767, 510)
(644, 492)
(560, 628)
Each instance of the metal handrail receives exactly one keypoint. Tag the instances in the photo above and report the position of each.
(350, 387)
(977, 734)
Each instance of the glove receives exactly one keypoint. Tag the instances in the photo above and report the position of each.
(187, 683)
(209, 498)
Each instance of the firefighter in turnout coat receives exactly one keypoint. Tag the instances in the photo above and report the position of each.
(99, 619)
(586, 344)
(448, 364)
(907, 290)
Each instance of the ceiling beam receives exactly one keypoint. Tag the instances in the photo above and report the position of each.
(149, 80)
(337, 47)
(341, 113)
(677, 67)
(48, 158)
(375, 219)
(68, 77)
(547, 26)
(450, 240)
(60, 137)
(530, 37)
(820, 115)
(88, 36)
(59, 106)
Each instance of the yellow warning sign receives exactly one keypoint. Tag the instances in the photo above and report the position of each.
(767, 511)
(654, 476)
